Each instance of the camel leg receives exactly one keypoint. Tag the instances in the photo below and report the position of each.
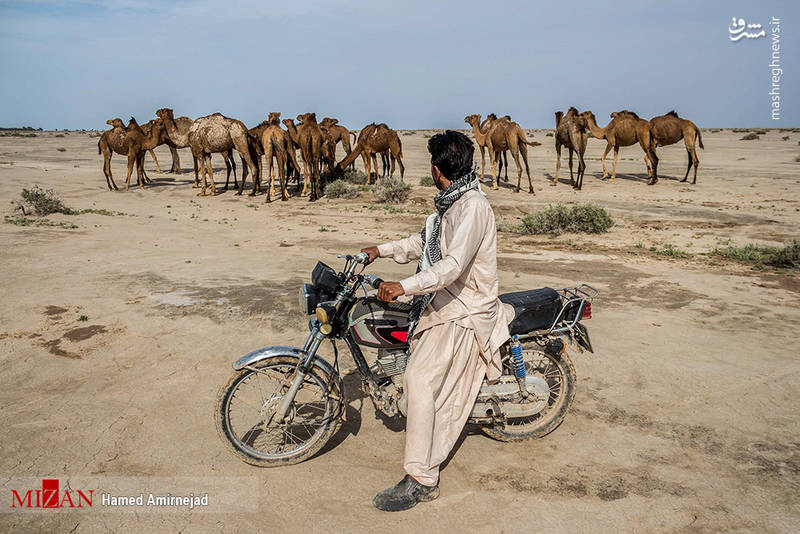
(378, 179)
(176, 161)
(201, 162)
(558, 164)
(493, 157)
(365, 161)
(107, 171)
(516, 155)
(210, 169)
(505, 159)
(196, 172)
(581, 171)
(399, 158)
(140, 170)
(614, 168)
(523, 150)
(654, 160)
(603, 160)
(305, 175)
(155, 159)
(571, 181)
(227, 157)
(483, 161)
(243, 148)
(131, 162)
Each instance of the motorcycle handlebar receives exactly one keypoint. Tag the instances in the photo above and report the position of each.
(373, 280)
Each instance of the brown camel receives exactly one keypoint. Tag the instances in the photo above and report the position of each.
(572, 131)
(338, 133)
(117, 123)
(625, 129)
(132, 143)
(669, 129)
(501, 135)
(308, 136)
(217, 133)
(278, 145)
(372, 140)
(478, 129)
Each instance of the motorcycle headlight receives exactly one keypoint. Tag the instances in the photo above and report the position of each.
(308, 298)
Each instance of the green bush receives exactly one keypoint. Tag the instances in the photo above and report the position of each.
(584, 218)
(341, 189)
(427, 181)
(787, 256)
(392, 190)
(749, 137)
(349, 175)
(44, 202)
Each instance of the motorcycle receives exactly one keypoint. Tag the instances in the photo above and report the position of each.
(282, 404)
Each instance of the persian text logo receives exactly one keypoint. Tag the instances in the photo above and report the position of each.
(50, 497)
(737, 31)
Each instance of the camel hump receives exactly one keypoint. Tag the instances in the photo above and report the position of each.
(674, 114)
(573, 109)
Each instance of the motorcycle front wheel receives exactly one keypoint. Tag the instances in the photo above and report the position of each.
(559, 373)
(246, 408)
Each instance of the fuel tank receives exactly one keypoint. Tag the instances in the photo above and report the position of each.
(378, 324)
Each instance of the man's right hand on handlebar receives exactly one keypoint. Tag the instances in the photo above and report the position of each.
(373, 254)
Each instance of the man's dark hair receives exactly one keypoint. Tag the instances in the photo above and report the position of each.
(451, 152)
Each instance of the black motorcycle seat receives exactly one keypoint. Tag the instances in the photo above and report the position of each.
(534, 309)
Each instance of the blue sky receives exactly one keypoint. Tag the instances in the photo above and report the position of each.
(74, 64)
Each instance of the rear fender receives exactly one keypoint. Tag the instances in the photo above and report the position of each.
(582, 337)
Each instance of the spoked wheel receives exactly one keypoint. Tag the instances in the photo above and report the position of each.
(246, 408)
(559, 373)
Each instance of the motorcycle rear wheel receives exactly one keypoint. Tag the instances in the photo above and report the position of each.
(560, 375)
(314, 416)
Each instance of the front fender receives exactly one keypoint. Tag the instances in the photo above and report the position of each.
(270, 352)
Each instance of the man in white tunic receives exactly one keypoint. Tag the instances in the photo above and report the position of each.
(457, 323)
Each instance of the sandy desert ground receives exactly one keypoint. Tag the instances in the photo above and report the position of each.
(685, 419)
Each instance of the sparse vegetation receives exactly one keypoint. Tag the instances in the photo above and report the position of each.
(670, 250)
(760, 255)
(549, 134)
(341, 189)
(29, 221)
(556, 219)
(352, 176)
(392, 190)
(61, 149)
(43, 202)
(749, 137)
(83, 318)
(427, 181)
(785, 138)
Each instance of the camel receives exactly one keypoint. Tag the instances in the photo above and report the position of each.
(338, 133)
(625, 129)
(669, 129)
(372, 140)
(480, 138)
(501, 135)
(117, 123)
(277, 144)
(308, 136)
(178, 133)
(131, 142)
(218, 133)
(572, 131)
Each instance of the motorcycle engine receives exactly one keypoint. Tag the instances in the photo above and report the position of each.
(392, 363)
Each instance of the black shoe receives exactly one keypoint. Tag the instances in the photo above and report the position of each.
(405, 495)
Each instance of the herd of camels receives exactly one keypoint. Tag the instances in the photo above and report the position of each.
(317, 142)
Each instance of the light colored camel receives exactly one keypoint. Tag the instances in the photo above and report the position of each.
(132, 143)
(217, 133)
(624, 130)
(670, 128)
(178, 133)
(572, 131)
(372, 140)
